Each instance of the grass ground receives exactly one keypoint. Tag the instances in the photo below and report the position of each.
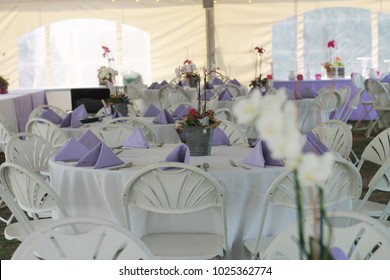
(7, 247)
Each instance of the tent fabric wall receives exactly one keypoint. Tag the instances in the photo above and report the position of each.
(173, 27)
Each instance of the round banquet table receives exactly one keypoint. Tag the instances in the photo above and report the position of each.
(86, 191)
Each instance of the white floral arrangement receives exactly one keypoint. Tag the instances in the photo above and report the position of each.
(107, 73)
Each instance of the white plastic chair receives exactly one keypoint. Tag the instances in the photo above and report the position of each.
(224, 114)
(236, 135)
(326, 102)
(171, 94)
(26, 192)
(47, 130)
(101, 240)
(178, 189)
(358, 236)
(134, 122)
(5, 133)
(233, 89)
(345, 93)
(113, 135)
(30, 151)
(358, 84)
(37, 112)
(381, 102)
(343, 184)
(336, 135)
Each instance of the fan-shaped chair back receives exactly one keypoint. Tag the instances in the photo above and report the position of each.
(37, 112)
(236, 135)
(101, 240)
(171, 94)
(360, 237)
(113, 135)
(47, 130)
(5, 133)
(336, 135)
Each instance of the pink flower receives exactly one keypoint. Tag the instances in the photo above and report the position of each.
(332, 44)
(260, 50)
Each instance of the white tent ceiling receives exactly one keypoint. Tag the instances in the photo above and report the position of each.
(172, 25)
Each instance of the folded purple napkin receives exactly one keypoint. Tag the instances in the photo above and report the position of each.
(52, 116)
(163, 83)
(100, 156)
(183, 113)
(80, 112)
(235, 82)
(209, 85)
(89, 139)
(338, 254)
(209, 94)
(260, 155)
(136, 139)
(66, 121)
(72, 150)
(220, 137)
(225, 95)
(164, 117)
(156, 86)
(314, 145)
(151, 86)
(116, 114)
(178, 110)
(217, 81)
(75, 120)
(152, 111)
(179, 154)
(386, 79)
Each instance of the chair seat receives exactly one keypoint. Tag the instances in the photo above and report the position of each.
(184, 245)
(16, 230)
(250, 244)
(371, 208)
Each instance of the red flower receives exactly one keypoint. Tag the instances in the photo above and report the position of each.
(332, 44)
(193, 111)
(187, 61)
(260, 50)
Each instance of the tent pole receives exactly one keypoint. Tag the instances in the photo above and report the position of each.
(210, 37)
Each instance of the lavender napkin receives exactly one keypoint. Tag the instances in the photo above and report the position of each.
(338, 254)
(152, 85)
(217, 81)
(100, 156)
(220, 137)
(179, 154)
(184, 112)
(163, 83)
(235, 82)
(256, 156)
(260, 156)
(152, 111)
(164, 117)
(75, 120)
(66, 121)
(225, 95)
(80, 112)
(136, 139)
(209, 94)
(71, 151)
(313, 144)
(178, 110)
(386, 79)
(52, 116)
(89, 140)
(116, 114)
(308, 93)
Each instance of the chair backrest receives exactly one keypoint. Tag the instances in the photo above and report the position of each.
(171, 94)
(352, 105)
(224, 114)
(358, 236)
(336, 135)
(5, 133)
(37, 112)
(236, 135)
(30, 151)
(173, 188)
(327, 100)
(27, 192)
(343, 183)
(113, 135)
(344, 93)
(101, 240)
(233, 89)
(378, 150)
(47, 130)
(133, 122)
(377, 92)
(357, 81)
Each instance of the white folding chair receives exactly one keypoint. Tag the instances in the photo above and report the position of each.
(47, 130)
(236, 135)
(224, 114)
(365, 100)
(343, 184)
(37, 112)
(359, 237)
(5, 133)
(171, 94)
(100, 240)
(25, 192)
(181, 190)
(113, 135)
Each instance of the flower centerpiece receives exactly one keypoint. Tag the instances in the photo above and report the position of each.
(334, 65)
(196, 128)
(277, 123)
(118, 99)
(3, 85)
(259, 81)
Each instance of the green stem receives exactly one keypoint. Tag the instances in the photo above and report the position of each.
(300, 213)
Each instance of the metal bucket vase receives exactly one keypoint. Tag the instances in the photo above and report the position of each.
(198, 139)
(121, 108)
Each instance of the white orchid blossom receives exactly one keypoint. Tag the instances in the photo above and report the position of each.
(314, 170)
